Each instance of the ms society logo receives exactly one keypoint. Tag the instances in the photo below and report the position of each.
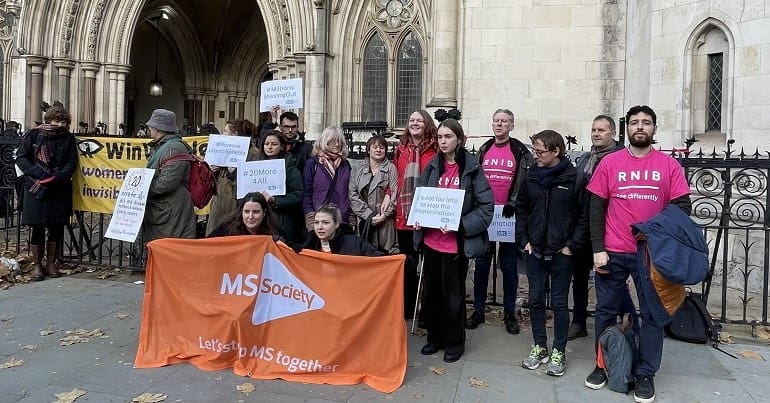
(279, 293)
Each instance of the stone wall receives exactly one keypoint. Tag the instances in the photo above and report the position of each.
(556, 64)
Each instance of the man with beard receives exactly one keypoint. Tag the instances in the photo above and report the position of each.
(288, 124)
(631, 186)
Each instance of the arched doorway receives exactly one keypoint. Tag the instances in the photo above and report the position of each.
(209, 54)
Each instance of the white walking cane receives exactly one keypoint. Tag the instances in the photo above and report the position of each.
(419, 290)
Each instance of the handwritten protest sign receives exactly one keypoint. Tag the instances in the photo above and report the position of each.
(262, 176)
(284, 93)
(502, 229)
(437, 207)
(227, 151)
(127, 218)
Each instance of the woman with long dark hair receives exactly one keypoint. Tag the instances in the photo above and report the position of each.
(285, 207)
(446, 252)
(253, 217)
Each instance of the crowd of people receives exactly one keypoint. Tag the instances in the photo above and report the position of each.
(572, 217)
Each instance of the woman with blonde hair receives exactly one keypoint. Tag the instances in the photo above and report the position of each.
(326, 177)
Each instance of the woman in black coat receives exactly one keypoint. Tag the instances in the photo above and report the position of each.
(328, 237)
(285, 207)
(47, 156)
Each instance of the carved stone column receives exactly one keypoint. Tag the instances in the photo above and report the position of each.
(444, 86)
(117, 97)
(315, 74)
(36, 64)
(64, 69)
(87, 112)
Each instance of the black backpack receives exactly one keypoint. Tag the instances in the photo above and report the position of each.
(692, 322)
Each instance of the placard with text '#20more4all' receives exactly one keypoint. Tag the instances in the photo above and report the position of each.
(436, 208)
(261, 176)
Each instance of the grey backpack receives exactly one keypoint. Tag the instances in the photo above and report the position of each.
(618, 355)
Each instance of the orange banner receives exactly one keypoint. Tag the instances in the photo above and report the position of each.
(250, 304)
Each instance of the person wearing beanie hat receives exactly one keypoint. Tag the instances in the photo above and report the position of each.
(170, 212)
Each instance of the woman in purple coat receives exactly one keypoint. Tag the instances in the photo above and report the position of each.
(326, 177)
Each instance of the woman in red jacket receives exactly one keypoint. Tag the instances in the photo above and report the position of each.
(415, 151)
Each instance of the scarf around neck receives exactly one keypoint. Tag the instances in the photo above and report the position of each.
(597, 153)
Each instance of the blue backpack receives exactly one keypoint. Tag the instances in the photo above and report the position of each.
(617, 356)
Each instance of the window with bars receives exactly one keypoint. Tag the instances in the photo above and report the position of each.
(408, 79)
(375, 80)
(714, 101)
(385, 80)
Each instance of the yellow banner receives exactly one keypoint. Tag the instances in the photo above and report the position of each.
(103, 163)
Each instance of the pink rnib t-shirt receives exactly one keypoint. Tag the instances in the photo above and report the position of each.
(434, 238)
(637, 188)
(500, 168)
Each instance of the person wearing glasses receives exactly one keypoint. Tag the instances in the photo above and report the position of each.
(505, 162)
(288, 124)
(551, 224)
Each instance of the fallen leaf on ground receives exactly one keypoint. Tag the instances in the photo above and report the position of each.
(246, 388)
(31, 347)
(47, 332)
(725, 338)
(763, 334)
(150, 398)
(420, 332)
(417, 396)
(104, 276)
(122, 316)
(69, 397)
(477, 383)
(438, 370)
(12, 363)
(750, 354)
(81, 336)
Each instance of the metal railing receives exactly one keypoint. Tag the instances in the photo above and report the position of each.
(729, 192)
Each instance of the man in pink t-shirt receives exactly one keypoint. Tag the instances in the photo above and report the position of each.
(630, 186)
(505, 161)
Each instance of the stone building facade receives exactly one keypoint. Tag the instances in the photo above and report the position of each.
(704, 65)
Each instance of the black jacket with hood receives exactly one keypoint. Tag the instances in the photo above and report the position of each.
(550, 218)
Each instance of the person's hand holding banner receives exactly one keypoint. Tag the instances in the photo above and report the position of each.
(437, 208)
(502, 228)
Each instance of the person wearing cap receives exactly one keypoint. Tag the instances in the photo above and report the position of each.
(169, 212)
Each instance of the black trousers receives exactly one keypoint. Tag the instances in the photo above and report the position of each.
(55, 233)
(443, 307)
(406, 245)
(584, 261)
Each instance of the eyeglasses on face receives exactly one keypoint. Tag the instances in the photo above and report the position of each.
(540, 153)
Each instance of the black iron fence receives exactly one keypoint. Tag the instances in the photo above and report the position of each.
(730, 199)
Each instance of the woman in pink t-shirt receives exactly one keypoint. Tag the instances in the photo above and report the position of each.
(446, 252)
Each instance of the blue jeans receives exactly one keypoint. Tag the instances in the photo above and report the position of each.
(508, 259)
(611, 291)
(559, 269)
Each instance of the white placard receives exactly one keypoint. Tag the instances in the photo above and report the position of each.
(502, 229)
(436, 207)
(126, 220)
(262, 176)
(285, 93)
(227, 151)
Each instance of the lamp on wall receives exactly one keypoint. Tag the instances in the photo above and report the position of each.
(156, 86)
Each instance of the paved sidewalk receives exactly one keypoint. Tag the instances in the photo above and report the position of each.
(103, 366)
